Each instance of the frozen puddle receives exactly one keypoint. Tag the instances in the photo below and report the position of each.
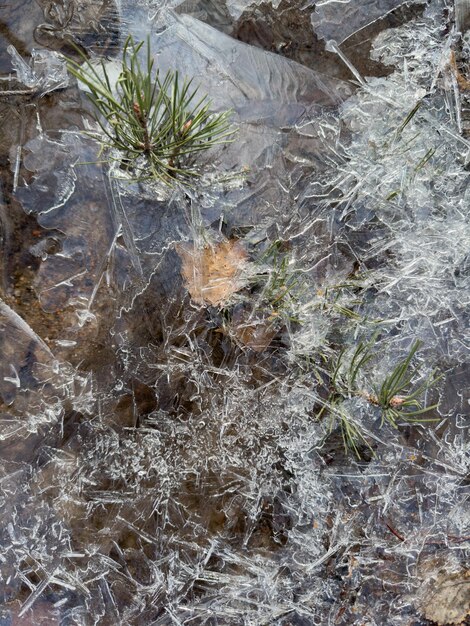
(207, 405)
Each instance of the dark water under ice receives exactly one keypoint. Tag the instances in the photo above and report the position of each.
(163, 461)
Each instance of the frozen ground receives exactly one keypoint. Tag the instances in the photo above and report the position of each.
(171, 457)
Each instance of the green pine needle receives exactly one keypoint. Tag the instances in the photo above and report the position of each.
(162, 119)
(397, 397)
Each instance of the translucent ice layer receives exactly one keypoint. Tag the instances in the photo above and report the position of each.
(339, 19)
(184, 369)
(46, 72)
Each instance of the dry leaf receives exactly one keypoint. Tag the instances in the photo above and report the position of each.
(256, 333)
(464, 84)
(213, 274)
(445, 595)
(449, 599)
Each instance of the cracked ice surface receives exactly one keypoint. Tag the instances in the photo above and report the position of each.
(47, 72)
(158, 469)
(267, 103)
(339, 19)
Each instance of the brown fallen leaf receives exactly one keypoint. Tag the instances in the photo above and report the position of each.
(464, 84)
(212, 274)
(256, 332)
(445, 595)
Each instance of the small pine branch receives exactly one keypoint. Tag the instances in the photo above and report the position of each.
(163, 119)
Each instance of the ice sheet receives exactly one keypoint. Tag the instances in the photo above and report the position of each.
(46, 72)
(339, 19)
(157, 470)
(274, 94)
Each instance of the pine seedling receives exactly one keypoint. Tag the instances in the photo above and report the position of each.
(397, 397)
(351, 434)
(280, 285)
(163, 119)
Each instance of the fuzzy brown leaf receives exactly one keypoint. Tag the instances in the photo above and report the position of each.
(212, 274)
